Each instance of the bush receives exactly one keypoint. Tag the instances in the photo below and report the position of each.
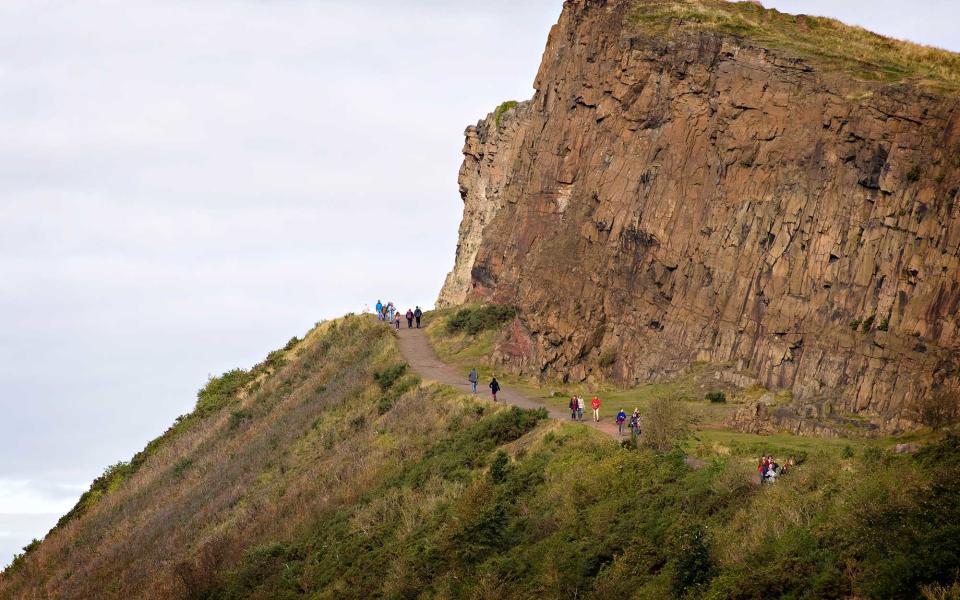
(220, 391)
(913, 175)
(504, 107)
(498, 470)
(664, 426)
(939, 409)
(181, 467)
(868, 323)
(238, 417)
(716, 397)
(473, 320)
(386, 378)
(608, 358)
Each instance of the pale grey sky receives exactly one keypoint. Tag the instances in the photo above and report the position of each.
(185, 185)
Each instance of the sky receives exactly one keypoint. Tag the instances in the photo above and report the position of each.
(184, 185)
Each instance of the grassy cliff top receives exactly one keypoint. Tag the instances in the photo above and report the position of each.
(825, 42)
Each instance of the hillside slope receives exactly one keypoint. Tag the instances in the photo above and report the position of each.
(330, 473)
(704, 181)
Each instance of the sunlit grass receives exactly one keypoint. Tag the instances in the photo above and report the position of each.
(825, 42)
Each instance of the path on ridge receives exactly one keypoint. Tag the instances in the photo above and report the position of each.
(423, 360)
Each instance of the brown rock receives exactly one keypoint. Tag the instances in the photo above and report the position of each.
(692, 197)
(906, 448)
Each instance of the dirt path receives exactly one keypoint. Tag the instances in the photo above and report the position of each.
(418, 352)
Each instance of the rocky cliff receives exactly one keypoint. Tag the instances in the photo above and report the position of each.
(678, 192)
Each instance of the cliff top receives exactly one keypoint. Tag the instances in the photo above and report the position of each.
(826, 42)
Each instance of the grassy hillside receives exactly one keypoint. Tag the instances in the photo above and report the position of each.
(826, 42)
(331, 472)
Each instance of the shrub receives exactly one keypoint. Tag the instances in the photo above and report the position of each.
(664, 425)
(855, 324)
(473, 320)
(608, 358)
(884, 324)
(498, 469)
(220, 391)
(913, 175)
(181, 467)
(504, 107)
(939, 409)
(238, 417)
(868, 323)
(386, 378)
(716, 397)
(847, 451)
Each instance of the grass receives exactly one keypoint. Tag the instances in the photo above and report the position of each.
(824, 42)
(502, 108)
(314, 491)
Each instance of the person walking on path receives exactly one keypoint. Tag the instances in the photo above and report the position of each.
(379, 310)
(418, 314)
(573, 408)
(580, 407)
(396, 320)
(595, 403)
(621, 417)
(494, 387)
(474, 377)
(409, 319)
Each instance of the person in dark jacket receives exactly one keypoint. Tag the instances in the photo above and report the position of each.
(418, 314)
(494, 387)
(573, 408)
(409, 319)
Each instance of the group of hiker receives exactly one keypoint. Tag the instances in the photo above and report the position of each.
(577, 405)
(389, 313)
(769, 469)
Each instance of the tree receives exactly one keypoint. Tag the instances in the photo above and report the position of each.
(940, 409)
(664, 426)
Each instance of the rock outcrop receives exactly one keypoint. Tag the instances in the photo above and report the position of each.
(688, 195)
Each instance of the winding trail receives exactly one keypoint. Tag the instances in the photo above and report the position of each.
(420, 355)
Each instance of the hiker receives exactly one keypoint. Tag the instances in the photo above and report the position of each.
(761, 471)
(494, 387)
(409, 319)
(383, 313)
(595, 403)
(418, 314)
(573, 408)
(621, 417)
(379, 310)
(474, 377)
(396, 320)
(580, 407)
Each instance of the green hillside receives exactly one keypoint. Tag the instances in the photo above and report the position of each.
(329, 471)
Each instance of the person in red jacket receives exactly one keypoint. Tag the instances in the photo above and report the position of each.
(595, 403)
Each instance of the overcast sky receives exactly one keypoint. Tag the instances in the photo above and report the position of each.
(184, 185)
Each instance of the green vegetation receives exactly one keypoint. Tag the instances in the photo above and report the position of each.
(559, 512)
(504, 107)
(303, 485)
(825, 42)
(716, 397)
(474, 319)
(608, 359)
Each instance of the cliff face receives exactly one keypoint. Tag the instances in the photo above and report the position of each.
(688, 196)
